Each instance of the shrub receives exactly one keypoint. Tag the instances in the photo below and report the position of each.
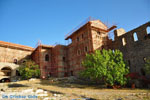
(107, 66)
(147, 66)
(29, 69)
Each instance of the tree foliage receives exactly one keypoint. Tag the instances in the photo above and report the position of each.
(106, 65)
(147, 66)
(29, 69)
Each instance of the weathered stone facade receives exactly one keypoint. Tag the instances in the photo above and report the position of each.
(11, 55)
(65, 60)
(91, 36)
(135, 45)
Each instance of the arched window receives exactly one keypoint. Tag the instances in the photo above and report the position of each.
(123, 41)
(135, 36)
(46, 57)
(148, 30)
(15, 61)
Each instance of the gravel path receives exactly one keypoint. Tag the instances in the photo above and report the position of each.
(37, 90)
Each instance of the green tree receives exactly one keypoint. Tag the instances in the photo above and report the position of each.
(147, 66)
(107, 66)
(29, 69)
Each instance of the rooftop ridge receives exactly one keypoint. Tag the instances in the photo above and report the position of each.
(16, 45)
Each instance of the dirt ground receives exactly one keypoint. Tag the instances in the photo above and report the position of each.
(53, 90)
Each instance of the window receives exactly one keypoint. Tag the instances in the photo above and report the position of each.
(143, 72)
(64, 59)
(144, 59)
(148, 30)
(86, 49)
(82, 36)
(135, 36)
(98, 32)
(77, 38)
(15, 61)
(71, 72)
(123, 41)
(78, 52)
(46, 57)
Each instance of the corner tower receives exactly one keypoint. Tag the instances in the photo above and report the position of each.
(86, 38)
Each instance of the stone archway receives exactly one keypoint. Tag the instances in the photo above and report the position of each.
(7, 71)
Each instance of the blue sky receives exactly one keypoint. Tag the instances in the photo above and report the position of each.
(27, 21)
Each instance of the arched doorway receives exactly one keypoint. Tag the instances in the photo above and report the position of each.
(6, 71)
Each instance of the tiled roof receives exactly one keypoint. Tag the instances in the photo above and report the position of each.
(18, 46)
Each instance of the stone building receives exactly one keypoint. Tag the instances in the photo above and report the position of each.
(11, 55)
(65, 60)
(135, 45)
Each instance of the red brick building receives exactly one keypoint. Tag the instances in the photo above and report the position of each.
(65, 60)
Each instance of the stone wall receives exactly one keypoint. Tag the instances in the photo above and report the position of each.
(134, 45)
(9, 54)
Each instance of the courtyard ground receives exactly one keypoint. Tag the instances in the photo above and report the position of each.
(54, 89)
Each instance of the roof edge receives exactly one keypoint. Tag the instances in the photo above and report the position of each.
(8, 44)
